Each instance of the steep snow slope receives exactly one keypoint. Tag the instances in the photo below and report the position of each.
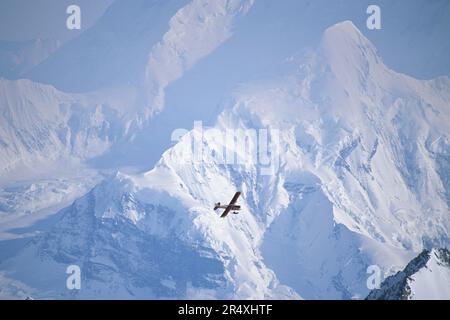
(145, 43)
(113, 50)
(426, 277)
(353, 177)
(128, 247)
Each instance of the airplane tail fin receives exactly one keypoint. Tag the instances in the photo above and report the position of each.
(217, 206)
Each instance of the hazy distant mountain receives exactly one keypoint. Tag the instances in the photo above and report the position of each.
(17, 58)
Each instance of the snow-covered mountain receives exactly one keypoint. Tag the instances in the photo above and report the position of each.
(426, 277)
(149, 39)
(134, 247)
(121, 68)
(356, 174)
(141, 59)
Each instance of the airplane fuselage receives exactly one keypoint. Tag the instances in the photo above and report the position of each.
(232, 207)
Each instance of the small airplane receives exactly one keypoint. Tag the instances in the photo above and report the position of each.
(231, 206)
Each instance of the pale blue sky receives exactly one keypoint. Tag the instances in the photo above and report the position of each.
(29, 19)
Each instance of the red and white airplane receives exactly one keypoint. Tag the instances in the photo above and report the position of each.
(232, 206)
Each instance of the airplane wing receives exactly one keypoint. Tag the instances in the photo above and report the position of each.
(227, 210)
(233, 201)
(235, 198)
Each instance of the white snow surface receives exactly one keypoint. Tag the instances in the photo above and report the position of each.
(432, 281)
